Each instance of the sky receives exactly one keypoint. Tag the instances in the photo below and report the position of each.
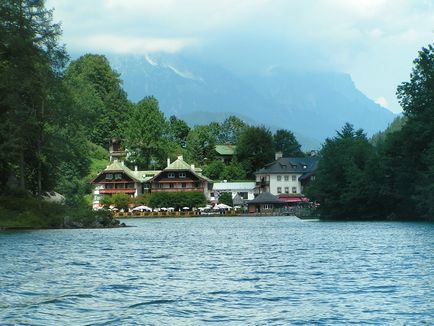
(375, 41)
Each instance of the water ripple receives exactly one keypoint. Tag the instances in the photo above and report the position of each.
(228, 271)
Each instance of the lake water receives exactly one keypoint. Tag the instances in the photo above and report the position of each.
(227, 271)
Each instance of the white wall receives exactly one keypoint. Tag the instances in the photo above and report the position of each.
(274, 183)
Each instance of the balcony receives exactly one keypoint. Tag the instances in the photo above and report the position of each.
(116, 191)
(262, 183)
(177, 190)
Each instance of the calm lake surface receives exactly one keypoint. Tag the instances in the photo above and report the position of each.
(228, 271)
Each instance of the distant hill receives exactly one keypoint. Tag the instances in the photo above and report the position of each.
(313, 105)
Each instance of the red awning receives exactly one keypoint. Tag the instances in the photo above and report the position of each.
(294, 199)
(291, 199)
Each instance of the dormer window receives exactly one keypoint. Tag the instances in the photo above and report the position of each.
(109, 176)
(171, 175)
(118, 176)
(182, 175)
(294, 166)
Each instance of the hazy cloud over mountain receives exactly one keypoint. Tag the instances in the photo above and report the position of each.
(373, 40)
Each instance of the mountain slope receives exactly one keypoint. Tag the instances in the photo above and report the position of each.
(311, 104)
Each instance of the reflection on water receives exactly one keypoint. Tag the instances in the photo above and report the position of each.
(232, 271)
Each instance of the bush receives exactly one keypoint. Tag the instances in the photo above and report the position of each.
(34, 213)
(226, 198)
(177, 199)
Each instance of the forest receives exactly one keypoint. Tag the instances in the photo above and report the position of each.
(58, 117)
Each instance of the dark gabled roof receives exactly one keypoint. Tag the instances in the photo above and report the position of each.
(237, 200)
(291, 165)
(266, 198)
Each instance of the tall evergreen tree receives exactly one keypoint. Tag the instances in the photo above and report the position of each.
(96, 89)
(255, 148)
(408, 161)
(201, 143)
(31, 63)
(285, 142)
(346, 182)
(144, 134)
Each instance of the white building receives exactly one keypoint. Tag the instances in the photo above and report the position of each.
(245, 190)
(286, 176)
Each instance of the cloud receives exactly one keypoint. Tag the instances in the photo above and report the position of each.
(382, 101)
(125, 44)
(373, 40)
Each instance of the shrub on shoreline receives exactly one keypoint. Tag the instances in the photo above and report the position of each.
(33, 213)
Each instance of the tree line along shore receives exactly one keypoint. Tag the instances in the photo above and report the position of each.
(57, 117)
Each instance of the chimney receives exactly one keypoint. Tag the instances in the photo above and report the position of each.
(180, 158)
(135, 168)
(192, 167)
(278, 155)
(168, 161)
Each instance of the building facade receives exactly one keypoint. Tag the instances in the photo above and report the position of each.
(246, 190)
(178, 176)
(286, 176)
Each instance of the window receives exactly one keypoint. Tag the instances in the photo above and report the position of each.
(171, 175)
(243, 195)
(312, 178)
(294, 178)
(109, 176)
(279, 190)
(109, 186)
(182, 175)
(279, 178)
(268, 206)
(171, 185)
(286, 177)
(183, 185)
(118, 176)
(286, 190)
(294, 190)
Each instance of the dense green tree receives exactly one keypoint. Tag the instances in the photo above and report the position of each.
(214, 169)
(177, 200)
(346, 183)
(201, 143)
(97, 90)
(380, 137)
(226, 198)
(255, 148)
(144, 134)
(230, 130)
(285, 142)
(407, 155)
(121, 200)
(178, 131)
(233, 171)
(39, 130)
